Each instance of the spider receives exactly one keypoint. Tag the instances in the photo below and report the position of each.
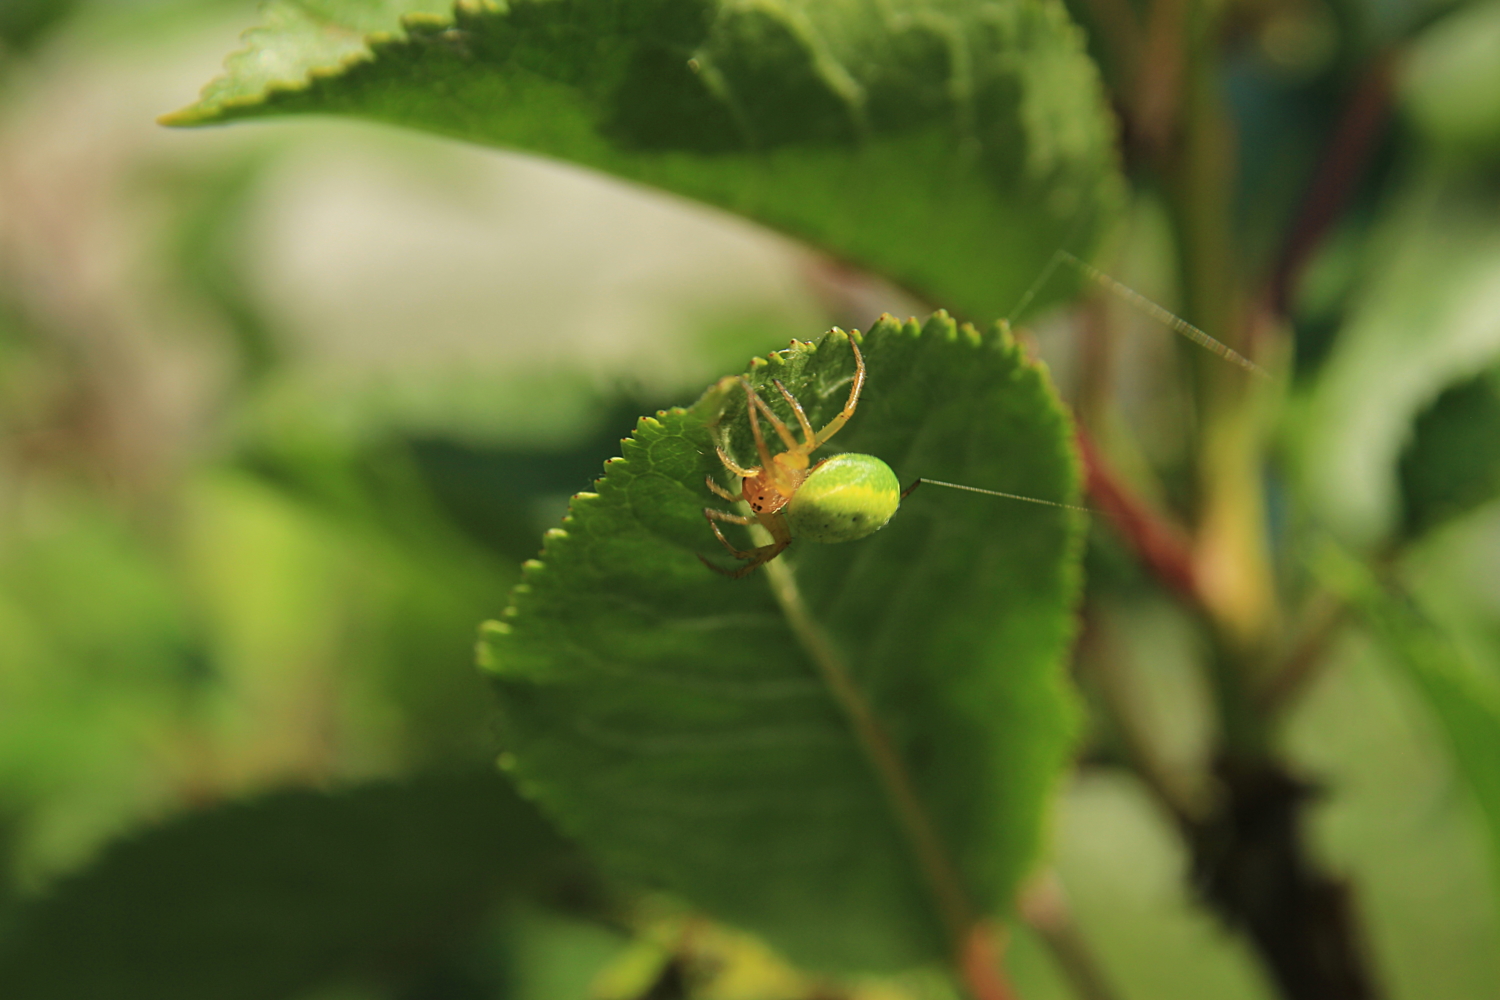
(837, 499)
(842, 498)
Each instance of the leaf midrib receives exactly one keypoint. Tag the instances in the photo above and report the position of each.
(935, 867)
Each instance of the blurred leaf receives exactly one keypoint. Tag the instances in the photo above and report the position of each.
(208, 255)
(1451, 83)
(261, 899)
(679, 724)
(1452, 463)
(97, 658)
(23, 23)
(1464, 699)
(949, 145)
(338, 601)
(1428, 316)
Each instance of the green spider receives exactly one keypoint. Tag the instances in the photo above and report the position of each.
(842, 498)
(838, 499)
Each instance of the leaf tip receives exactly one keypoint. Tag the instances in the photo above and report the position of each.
(181, 118)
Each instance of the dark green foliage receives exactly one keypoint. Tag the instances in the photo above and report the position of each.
(267, 898)
(675, 722)
(23, 23)
(1452, 463)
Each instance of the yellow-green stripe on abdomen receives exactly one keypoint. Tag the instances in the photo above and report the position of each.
(845, 498)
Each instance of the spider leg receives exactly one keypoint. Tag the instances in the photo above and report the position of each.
(757, 557)
(723, 515)
(714, 516)
(833, 426)
(764, 554)
(788, 469)
(760, 441)
(807, 431)
(732, 466)
(720, 491)
(776, 423)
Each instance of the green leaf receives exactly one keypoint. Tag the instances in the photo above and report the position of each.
(691, 730)
(1450, 81)
(1428, 316)
(1452, 463)
(1462, 697)
(266, 898)
(951, 145)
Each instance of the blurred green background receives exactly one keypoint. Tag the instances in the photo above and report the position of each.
(283, 406)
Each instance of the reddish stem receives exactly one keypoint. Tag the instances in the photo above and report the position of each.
(1349, 150)
(980, 963)
(1162, 546)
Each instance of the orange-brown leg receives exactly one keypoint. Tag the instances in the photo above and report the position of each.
(760, 441)
(757, 557)
(714, 516)
(720, 491)
(836, 424)
(807, 432)
(731, 465)
(781, 429)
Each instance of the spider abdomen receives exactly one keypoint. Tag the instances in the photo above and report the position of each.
(843, 499)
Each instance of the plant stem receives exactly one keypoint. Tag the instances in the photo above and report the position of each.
(1252, 864)
(1249, 849)
(980, 965)
(1354, 140)
(1161, 545)
(1044, 907)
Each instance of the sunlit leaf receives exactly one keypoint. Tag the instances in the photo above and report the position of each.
(949, 144)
